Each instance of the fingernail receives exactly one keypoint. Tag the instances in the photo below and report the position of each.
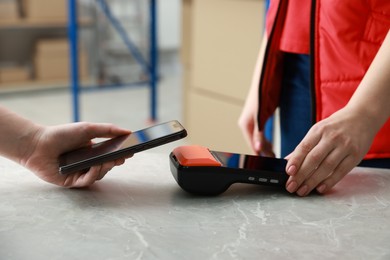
(292, 186)
(302, 191)
(321, 188)
(291, 170)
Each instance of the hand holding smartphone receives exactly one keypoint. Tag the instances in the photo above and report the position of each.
(121, 147)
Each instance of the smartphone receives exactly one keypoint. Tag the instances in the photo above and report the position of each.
(121, 147)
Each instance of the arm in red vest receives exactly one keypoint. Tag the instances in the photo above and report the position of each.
(335, 145)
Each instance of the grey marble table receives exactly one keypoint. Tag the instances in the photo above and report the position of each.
(139, 212)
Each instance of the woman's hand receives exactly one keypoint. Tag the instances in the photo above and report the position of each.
(330, 150)
(338, 143)
(48, 143)
(256, 139)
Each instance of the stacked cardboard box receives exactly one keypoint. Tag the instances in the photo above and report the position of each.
(51, 57)
(45, 10)
(220, 46)
(14, 74)
(8, 11)
(50, 11)
(52, 60)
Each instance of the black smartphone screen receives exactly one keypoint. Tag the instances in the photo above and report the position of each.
(121, 147)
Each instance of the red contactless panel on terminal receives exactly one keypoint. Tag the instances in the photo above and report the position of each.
(195, 156)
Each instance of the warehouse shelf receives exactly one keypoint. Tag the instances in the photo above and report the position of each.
(28, 24)
(148, 65)
(36, 85)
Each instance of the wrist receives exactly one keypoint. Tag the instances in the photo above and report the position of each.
(372, 115)
(28, 142)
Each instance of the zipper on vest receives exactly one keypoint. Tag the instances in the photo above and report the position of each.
(312, 61)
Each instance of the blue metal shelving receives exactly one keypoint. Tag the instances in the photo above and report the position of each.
(149, 66)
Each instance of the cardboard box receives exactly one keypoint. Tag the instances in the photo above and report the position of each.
(186, 21)
(51, 47)
(48, 68)
(52, 60)
(221, 43)
(226, 37)
(57, 67)
(14, 74)
(46, 10)
(8, 12)
(221, 131)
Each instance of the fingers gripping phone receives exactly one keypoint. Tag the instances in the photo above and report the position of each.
(121, 147)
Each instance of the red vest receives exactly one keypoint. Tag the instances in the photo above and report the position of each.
(344, 39)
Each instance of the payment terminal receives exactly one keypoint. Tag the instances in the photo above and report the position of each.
(199, 170)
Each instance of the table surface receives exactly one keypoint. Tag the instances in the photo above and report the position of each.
(139, 212)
